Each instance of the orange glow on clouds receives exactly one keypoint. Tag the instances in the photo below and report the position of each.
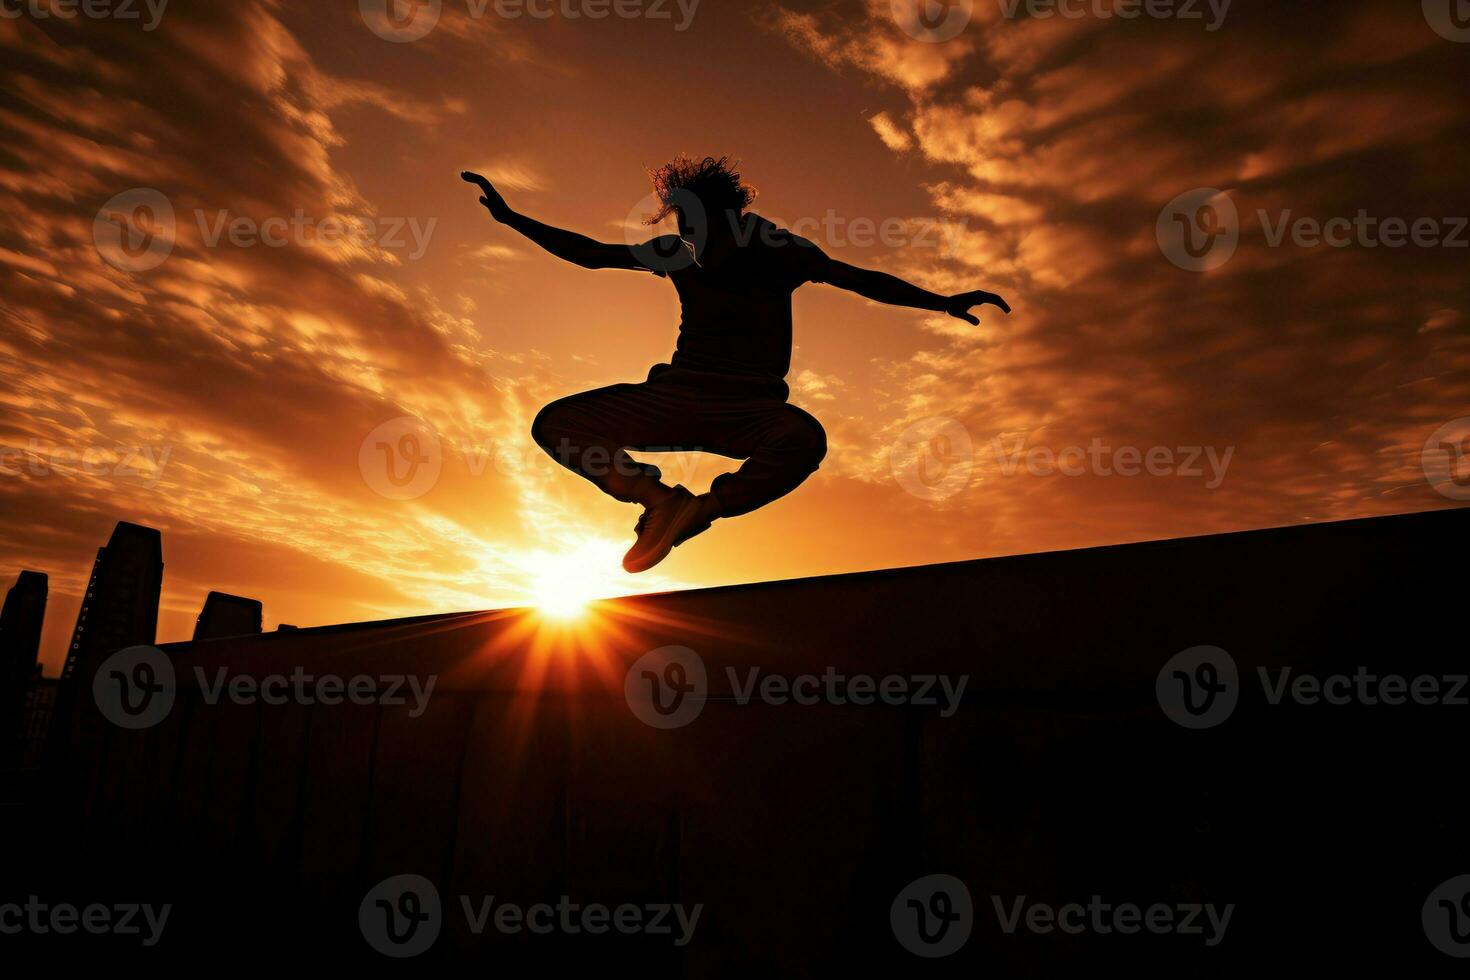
(226, 394)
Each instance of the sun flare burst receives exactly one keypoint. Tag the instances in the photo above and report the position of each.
(561, 584)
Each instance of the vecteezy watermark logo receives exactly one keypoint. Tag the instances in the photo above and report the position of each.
(1100, 459)
(401, 916)
(940, 691)
(1363, 687)
(401, 459)
(387, 690)
(1446, 917)
(1363, 230)
(1199, 230)
(933, 916)
(571, 918)
(134, 688)
(590, 10)
(667, 687)
(145, 464)
(1446, 459)
(834, 230)
(364, 234)
(932, 21)
(135, 230)
(1449, 18)
(933, 458)
(1104, 918)
(1120, 9)
(1199, 687)
(410, 20)
(400, 21)
(92, 9)
(43, 918)
(669, 252)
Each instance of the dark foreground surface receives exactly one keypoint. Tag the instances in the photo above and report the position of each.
(551, 814)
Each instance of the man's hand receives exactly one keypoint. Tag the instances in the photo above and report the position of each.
(491, 198)
(959, 305)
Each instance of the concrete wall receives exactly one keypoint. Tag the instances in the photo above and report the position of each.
(1059, 778)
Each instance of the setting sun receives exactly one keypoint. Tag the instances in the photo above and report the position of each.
(563, 583)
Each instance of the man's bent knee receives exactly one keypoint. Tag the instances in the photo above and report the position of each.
(550, 425)
(804, 437)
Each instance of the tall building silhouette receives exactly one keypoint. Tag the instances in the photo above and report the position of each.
(20, 644)
(228, 615)
(120, 608)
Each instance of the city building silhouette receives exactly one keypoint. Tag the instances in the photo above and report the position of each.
(227, 615)
(20, 644)
(120, 608)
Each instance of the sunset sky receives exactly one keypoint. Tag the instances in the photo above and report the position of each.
(226, 394)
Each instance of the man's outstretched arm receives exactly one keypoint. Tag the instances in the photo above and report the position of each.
(579, 249)
(883, 288)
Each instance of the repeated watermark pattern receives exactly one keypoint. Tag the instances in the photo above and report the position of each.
(402, 916)
(934, 459)
(836, 231)
(137, 231)
(38, 918)
(1200, 688)
(136, 688)
(404, 458)
(1450, 19)
(830, 229)
(401, 459)
(937, 21)
(140, 464)
(1206, 921)
(1209, 13)
(148, 12)
(669, 686)
(935, 915)
(1446, 917)
(1445, 459)
(403, 21)
(932, 21)
(307, 231)
(1200, 230)
(1208, 463)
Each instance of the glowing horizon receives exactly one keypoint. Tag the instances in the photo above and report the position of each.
(320, 393)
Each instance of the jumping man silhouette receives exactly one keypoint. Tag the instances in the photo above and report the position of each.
(724, 390)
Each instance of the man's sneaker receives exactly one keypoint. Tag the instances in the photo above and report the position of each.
(663, 528)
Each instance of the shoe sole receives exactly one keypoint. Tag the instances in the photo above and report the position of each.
(665, 544)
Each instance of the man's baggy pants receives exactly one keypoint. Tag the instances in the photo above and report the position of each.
(678, 410)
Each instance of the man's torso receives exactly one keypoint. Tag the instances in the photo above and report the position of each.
(736, 307)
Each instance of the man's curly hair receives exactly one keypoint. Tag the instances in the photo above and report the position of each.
(714, 182)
